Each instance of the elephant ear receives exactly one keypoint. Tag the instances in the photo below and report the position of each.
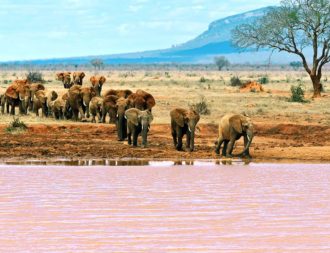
(236, 123)
(132, 115)
(102, 80)
(178, 116)
(11, 92)
(65, 96)
(93, 80)
(82, 75)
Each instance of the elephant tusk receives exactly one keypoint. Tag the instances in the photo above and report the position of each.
(124, 116)
(189, 129)
(117, 115)
(84, 103)
(248, 137)
(142, 127)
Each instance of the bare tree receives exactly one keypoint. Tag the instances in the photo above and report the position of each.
(294, 27)
(97, 63)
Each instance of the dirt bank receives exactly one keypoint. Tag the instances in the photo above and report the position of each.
(93, 141)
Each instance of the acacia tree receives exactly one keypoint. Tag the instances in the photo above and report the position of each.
(295, 27)
(221, 62)
(97, 63)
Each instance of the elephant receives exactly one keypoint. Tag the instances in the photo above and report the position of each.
(141, 100)
(231, 128)
(65, 77)
(17, 94)
(118, 93)
(78, 78)
(109, 106)
(95, 108)
(116, 107)
(58, 108)
(79, 99)
(3, 103)
(34, 87)
(97, 83)
(184, 122)
(138, 122)
(42, 99)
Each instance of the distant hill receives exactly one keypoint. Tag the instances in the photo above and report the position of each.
(216, 40)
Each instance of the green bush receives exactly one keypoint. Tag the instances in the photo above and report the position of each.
(297, 94)
(201, 106)
(16, 126)
(235, 81)
(263, 80)
(202, 79)
(35, 77)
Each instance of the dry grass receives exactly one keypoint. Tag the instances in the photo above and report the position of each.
(181, 88)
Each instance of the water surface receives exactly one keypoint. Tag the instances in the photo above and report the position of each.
(164, 208)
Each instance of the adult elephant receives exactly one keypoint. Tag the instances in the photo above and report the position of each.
(65, 78)
(231, 128)
(141, 100)
(17, 94)
(34, 87)
(118, 93)
(97, 82)
(78, 77)
(138, 122)
(183, 122)
(58, 108)
(79, 99)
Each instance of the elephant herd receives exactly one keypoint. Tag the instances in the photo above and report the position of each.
(130, 111)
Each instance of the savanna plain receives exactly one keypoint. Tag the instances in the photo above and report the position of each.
(284, 131)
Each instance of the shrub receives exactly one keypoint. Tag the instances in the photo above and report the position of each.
(167, 75)
(201, 106)
(235, 81)
(35, 77)
(221, 62)
(263, 80)
(202, 79)
(297, 94)
(16, 126)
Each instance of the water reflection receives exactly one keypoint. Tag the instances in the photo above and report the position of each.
(128, 162)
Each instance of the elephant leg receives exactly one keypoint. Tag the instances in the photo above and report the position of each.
(224, 149)
(82, 114)
(99, 116)
(180, 135)
(93, 118)
(20, 106)
(230, 147)
(218, 145)
(174, 136)
(188, 137)
(129, 136)
(135, 137)
(104, 114)
(7, 107)
(12, 109)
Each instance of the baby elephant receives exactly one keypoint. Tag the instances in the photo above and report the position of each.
(138, 122)
(95, 108)
(184, 122)
(231, 128)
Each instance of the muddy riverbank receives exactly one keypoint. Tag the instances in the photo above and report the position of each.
(93, 141)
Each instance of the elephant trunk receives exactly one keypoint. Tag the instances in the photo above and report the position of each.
(45, 109)
(192, 138)
(249, 136)
(144, 133)
(121, 127)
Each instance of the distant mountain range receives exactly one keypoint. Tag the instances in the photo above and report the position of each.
(202, 49)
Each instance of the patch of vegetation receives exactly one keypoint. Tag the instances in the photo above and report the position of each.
(202, 79)
(201, 106)
(35, 77)
(235, 81)
(16, 126)
(263, 80)
(297, 94)
(167, 75)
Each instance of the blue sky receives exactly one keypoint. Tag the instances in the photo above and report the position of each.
(35, 29)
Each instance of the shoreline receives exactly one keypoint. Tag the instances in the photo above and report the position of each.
(297, 143)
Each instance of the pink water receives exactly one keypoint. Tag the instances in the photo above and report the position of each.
(255, 208)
